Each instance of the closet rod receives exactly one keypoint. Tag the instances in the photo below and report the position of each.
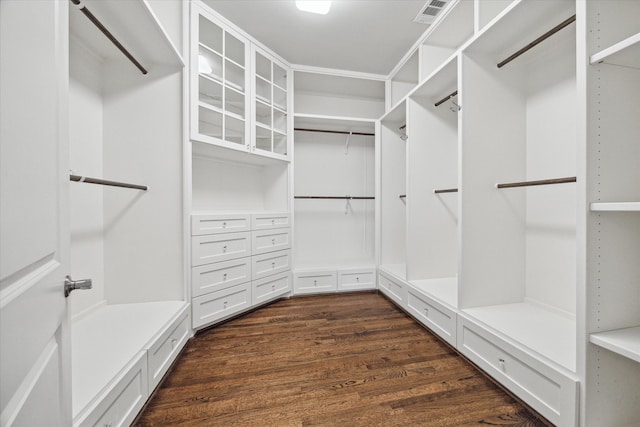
(78, 178)
(446, 190)
(538, 40)
(336, 197)
(445, 99)
(342, 132)
(540, 182)
(108, 34)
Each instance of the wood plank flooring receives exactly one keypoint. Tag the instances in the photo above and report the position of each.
(330, 360)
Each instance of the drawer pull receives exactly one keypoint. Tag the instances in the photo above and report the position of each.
(225, 304)
(174, 342)
(224, 249)
(315, 283)
(224, 276)
(224, 225)
(273, 221)
(357, 279)
(273, 288)
(426, 311)
(273, 265)
(502, 363)
(109, 424)
(273, 241)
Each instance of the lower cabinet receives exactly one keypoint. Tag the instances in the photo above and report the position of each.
(392, 289)
(164, 351)
(551, 391)
(221, 304)
(314, 282)
(271, 287)
(439, 319)
(356, 279)
(325, 280)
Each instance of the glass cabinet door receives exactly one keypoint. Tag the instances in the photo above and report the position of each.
(219, 83)
(271, 110)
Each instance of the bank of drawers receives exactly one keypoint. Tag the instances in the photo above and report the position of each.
(329, 280)
(238, 261)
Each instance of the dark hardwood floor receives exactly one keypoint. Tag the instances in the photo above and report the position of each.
(332, 360)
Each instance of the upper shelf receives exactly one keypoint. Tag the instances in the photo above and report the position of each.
(134, 24)
(616, 207)
(625, 53)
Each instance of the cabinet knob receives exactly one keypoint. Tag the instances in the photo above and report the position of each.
(273, 241)
(225, 304)
(426, 312)
(224, 225)
(224, 276)
(273, 265)
(174, 342)
(224, 248)
(273, 287)
(273, 222)
(357, 279)
(502, 363)
(315, 283)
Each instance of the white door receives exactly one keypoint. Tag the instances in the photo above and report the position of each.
(34, 238)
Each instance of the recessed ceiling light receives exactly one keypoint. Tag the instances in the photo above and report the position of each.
(314, 6)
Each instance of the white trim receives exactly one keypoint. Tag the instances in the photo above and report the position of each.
(43, 267)
(336, 72)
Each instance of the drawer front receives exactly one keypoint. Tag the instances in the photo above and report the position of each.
(390, 288)
(316, 282)
(270, 220)
(270, 264)
(122, 402)
(219, 223)
(433, 315)
(219, 247)
(270, 287)
(546, 389)
(356, 279)
(218, 305)
(266, 241)
(163, 352)
(220, 275)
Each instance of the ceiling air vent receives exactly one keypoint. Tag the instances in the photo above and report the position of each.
(430, 11)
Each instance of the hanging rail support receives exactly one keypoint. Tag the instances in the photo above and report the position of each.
(78, 178)
(108, 34)
(341, 132)
(445, 99)
(538, 40)
(540, 182)
(445, 190)
(346, 144)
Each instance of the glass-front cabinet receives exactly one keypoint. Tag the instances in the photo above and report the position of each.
(271, 109)
(239, 92)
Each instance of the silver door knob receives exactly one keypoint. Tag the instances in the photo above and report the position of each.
(72, 285)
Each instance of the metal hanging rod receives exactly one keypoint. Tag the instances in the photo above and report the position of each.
(538, 40)
(78, 178)
(540, 182)
(341, 132)
(108, 34)
(446, 190)
(445, 99)
(336, 197)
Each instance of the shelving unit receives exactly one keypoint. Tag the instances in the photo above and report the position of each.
(131, 326)
(393, 178)
(404, 80)
(610, 365)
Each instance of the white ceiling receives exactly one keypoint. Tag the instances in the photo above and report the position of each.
(369, 36)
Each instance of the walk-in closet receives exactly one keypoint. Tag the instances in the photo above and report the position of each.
(172, 166)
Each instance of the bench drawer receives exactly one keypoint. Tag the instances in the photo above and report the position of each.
(392, 289)
(435, 316)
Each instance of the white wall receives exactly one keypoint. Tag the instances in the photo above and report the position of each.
(85, 152)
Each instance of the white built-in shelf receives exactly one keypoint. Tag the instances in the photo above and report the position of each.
(547, 332)
(399, 271)
(625, 342)
(444, 290)
(625, 53)
(616, 207)
(335, 123)
(107, 340)
(136, 27)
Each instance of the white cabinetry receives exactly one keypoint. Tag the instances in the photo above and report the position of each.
(128, 329)
(239, 93)
(233, 271)
(611, 329)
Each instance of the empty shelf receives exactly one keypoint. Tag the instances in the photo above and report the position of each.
(625, 53)
(397, 270)
(544, 331)
(625, 342)
(616, 207)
